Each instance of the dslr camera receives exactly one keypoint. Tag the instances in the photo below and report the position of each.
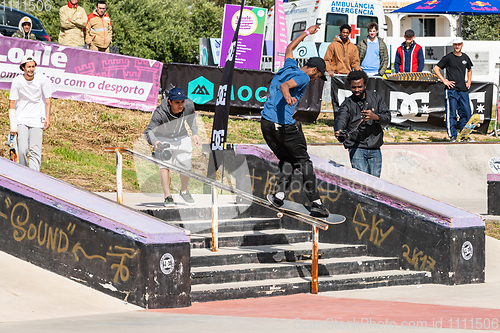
(162, 152)
(343, 135)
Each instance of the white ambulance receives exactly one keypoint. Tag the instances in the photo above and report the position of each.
(331, 14)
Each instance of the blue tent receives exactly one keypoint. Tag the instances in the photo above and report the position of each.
(457, 7)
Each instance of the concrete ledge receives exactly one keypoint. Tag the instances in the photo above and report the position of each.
(392, 221)
(494, 194)
(92, 240)
(493, 177)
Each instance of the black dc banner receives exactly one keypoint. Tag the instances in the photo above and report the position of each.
(414, 101)
(221, 116)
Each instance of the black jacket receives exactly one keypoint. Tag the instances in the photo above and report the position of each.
(164, 124)
(369, 134)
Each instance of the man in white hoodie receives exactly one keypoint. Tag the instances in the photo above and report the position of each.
(24, 31)
(29, 112)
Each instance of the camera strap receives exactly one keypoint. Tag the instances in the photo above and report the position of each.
(362, 119)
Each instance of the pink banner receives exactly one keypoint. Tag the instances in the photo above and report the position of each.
(280, 38)
(84, 75)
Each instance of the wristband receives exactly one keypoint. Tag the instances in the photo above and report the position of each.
(307, 32)
(12, 120)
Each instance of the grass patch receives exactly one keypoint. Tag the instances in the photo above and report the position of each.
(493, 230)
(78, 156)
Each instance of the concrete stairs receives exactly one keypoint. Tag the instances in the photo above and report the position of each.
(257, 257)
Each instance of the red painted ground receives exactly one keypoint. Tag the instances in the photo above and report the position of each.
(351, 312)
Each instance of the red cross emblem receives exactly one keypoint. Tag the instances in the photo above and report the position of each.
(354, 31)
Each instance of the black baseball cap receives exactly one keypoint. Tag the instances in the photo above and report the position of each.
(410, 33)
(319, 63)
(176, 94)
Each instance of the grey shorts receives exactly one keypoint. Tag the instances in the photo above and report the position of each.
(181, 149)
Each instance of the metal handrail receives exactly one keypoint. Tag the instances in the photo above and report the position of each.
(316, 225)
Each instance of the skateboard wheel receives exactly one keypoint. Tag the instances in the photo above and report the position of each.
(280, 215)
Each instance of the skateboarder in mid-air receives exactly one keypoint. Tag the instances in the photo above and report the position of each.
(282, 133)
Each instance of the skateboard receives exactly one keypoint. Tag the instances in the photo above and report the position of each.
(299, 209)
(413, 76)
(12, 144)
(469, 127)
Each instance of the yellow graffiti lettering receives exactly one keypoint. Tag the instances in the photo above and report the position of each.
(65, 248)
(355, 221)
(430, 264)
(121, 270)
(31, 232)
(71, 228)
(3, 215)
(328, 197)
(253, 177)
(51, 241)
(78, 247)
(20, 232)
(270, 185)
(377, 235)
(427, 263)
(44, 233)
(292, 192)
(375, 232)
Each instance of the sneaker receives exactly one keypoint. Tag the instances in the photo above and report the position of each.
(277, 202)
(468, 140)
(453, 139)
(187, 197)
(319, 210)
(169, 201)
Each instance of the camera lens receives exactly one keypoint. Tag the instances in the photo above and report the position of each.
(165, 155)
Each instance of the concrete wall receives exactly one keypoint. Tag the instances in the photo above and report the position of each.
(424, 233)
(452, 173)
(92, 240)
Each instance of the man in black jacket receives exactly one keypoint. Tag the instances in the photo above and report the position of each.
(359, 125)
(167, 128)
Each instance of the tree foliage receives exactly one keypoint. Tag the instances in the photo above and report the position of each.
(153, 29)
(482, 27)
(206, 19)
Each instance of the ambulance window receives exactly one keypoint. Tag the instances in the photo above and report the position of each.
(333, 23)
(297, 29)
(362, 26)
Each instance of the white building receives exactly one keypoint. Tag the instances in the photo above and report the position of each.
(435, 33)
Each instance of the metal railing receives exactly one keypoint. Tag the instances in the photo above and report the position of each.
(316, 225)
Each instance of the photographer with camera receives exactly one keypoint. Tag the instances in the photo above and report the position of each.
(167, 133)
(359, 125)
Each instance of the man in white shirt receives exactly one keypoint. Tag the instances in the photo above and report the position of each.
(29, 112)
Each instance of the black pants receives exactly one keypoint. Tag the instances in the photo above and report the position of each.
(289, 145)
(334, 93)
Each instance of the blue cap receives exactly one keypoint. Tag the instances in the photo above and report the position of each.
(176, 94)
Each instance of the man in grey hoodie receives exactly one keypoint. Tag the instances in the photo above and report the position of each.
(167, 128)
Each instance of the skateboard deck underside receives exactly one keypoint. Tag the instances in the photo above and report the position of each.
(469, 127)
